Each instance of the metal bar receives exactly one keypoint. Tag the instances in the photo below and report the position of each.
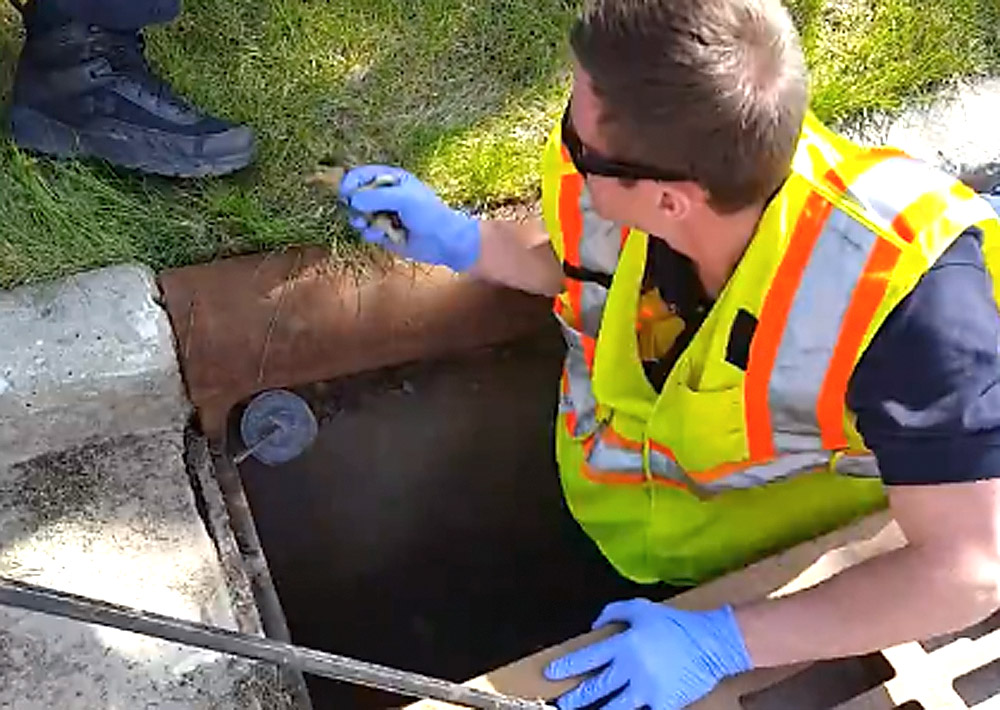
(241, 522)
(70, 606)
(250, 548)
(251, 450)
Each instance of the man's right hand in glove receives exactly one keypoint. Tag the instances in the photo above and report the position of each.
(515, 254)
(437, 233)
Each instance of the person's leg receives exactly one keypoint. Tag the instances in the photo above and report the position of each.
(109, 14)
(83, 89)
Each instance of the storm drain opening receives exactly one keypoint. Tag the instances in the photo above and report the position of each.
(425, 527)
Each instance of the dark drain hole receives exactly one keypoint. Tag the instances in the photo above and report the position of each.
(823, 685)
(912, 705)
(980, 684)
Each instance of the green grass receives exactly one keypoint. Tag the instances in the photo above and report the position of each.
(462, 92)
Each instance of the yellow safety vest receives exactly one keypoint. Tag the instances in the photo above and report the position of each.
(724, 465)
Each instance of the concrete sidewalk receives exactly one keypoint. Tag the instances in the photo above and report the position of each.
(96, 498)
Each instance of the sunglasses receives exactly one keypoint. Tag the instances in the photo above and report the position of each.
(588, 161)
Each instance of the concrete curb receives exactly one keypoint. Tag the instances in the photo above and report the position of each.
(98, 497)
(86, 358)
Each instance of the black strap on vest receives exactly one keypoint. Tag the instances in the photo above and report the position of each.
(578, 273)
(740, 337)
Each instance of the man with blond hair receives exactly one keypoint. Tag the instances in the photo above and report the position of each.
(770, 331)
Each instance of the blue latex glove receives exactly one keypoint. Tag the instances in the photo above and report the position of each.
(666, 659)
(437, 233)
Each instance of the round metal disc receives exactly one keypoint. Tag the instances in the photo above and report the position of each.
(281, 426)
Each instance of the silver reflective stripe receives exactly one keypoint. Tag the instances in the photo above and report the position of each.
(812, 330)
(789, 443)
(890, 186)
(593, 298)
(664, 467)
(857, 465)
(580, 398)
(614, 459)
(782, 467)
(600, 249)
(601, 241)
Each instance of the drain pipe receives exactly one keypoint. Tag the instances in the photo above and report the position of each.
(261, 583)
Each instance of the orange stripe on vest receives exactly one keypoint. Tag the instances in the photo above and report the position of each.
(774, 315)
(571, 221)
(867, 296)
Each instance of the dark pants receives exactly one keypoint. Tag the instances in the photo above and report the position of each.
(110, 14)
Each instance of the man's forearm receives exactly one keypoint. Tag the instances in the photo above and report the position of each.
(910, 594)
(519, 255)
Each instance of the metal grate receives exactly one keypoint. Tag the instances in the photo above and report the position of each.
(973, 633)
(822, 686)
(957, 672)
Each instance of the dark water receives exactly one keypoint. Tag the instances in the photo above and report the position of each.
(425, 529)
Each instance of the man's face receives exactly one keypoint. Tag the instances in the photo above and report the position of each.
(652, 205)
(612, 200)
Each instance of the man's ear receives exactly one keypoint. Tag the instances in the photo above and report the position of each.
(679, 199)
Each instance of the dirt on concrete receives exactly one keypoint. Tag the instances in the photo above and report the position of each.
(115, 521)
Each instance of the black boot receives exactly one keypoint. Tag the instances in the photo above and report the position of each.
(84, 91)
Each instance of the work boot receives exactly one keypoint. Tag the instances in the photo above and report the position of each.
(85, 91)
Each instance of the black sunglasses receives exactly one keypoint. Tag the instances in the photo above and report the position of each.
(587, 161)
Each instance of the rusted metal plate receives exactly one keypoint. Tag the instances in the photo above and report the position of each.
(252, 323)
